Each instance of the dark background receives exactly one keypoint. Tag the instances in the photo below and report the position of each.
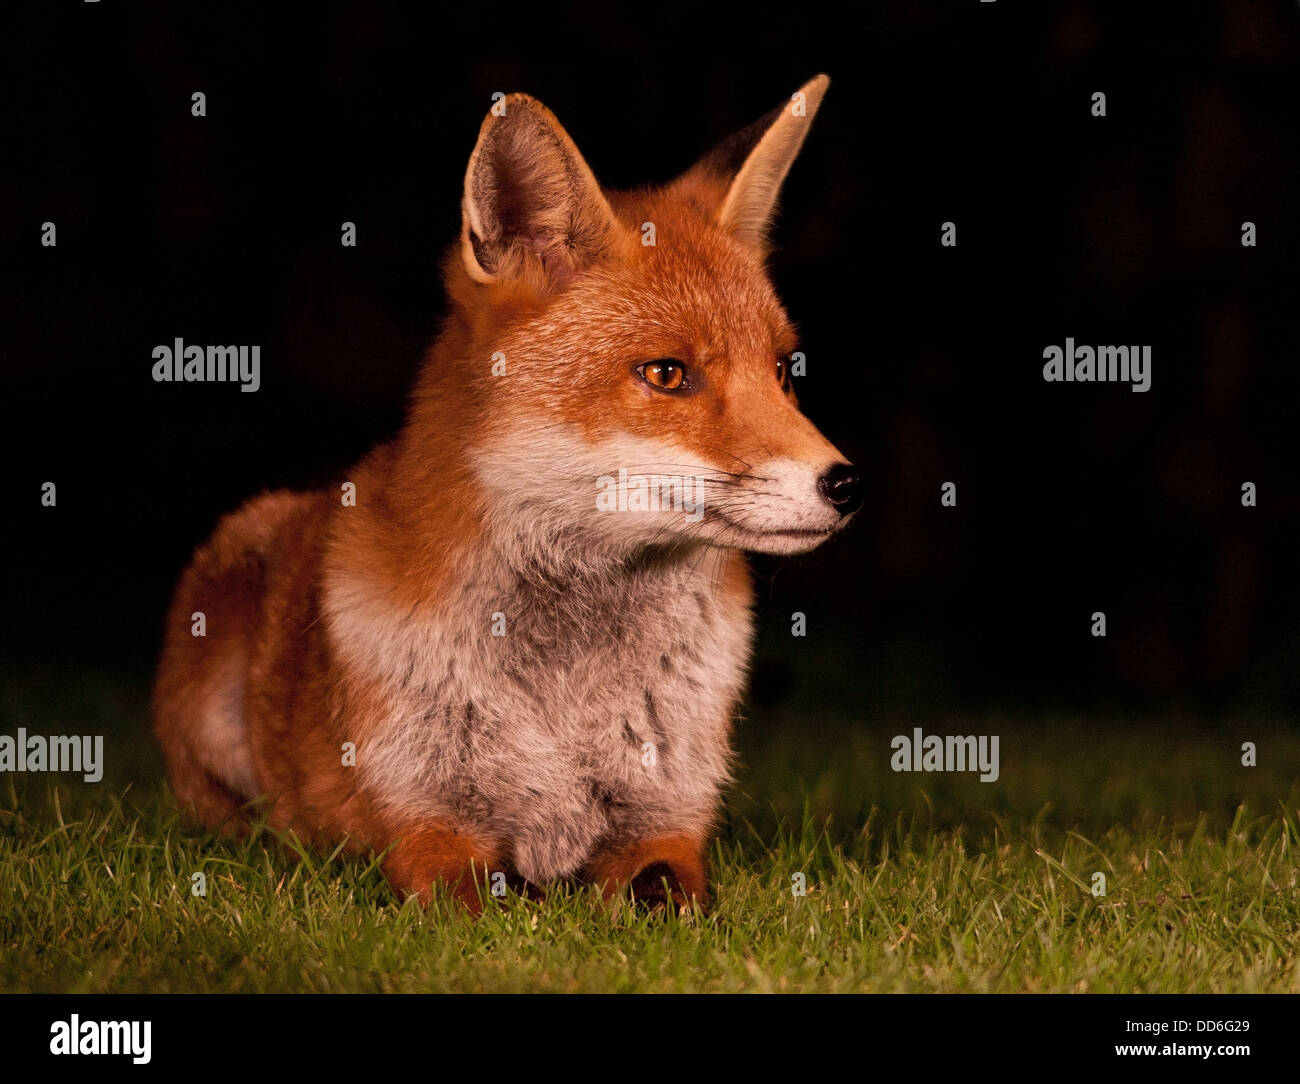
(924, 363)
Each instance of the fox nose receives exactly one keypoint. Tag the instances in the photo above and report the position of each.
(842, 486)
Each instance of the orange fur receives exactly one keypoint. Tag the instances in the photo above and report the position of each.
(428, 853)
(643, 866)
(299, 592)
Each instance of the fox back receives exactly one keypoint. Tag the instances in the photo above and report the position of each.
(517, 645)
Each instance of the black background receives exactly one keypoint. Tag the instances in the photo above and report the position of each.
(924, 362)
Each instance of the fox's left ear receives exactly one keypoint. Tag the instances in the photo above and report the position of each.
(745, 172)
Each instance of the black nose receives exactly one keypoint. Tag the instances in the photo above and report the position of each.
(842, 486)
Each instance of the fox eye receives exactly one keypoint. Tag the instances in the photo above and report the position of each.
(781, 372)
(666, 374)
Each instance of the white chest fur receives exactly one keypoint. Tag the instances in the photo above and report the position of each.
(552, 716)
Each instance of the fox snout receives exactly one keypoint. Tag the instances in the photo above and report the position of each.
(784, 507)
(797, 489)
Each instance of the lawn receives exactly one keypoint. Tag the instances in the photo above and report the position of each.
(913, 882)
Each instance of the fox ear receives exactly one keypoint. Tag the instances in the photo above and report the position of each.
(756, 160)
(530, 196)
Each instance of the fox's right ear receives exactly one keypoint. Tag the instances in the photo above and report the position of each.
(530, 198)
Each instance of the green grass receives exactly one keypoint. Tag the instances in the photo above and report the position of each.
(914, 883)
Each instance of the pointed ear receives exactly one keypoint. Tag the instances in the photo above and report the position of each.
(530, 199)
(756, 160)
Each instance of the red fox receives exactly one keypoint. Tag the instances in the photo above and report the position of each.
(514, 640)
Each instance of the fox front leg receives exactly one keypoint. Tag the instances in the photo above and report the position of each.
(432, 851)
(644, 866)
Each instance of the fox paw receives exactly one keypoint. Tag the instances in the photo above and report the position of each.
(658, 886)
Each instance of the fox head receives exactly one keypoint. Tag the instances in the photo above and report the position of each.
(618, 362)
